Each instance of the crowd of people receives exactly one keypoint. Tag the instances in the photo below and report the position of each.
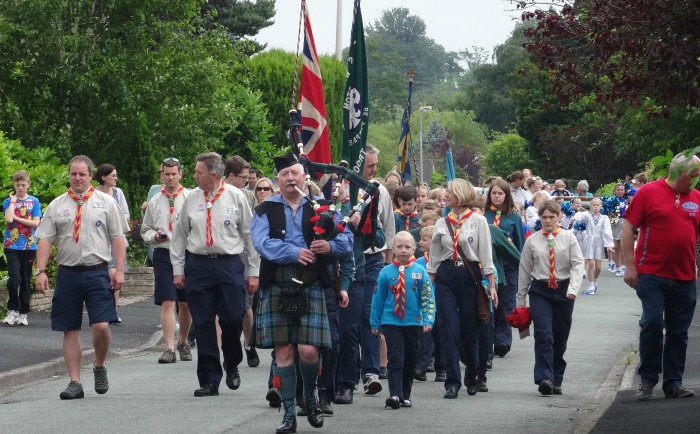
(413, 281)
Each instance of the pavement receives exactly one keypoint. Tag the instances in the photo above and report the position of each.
(144, 396)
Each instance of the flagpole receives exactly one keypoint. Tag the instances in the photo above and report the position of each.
(339, 32)
(420, 118)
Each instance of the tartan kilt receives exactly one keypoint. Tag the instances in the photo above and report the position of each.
(273, 328)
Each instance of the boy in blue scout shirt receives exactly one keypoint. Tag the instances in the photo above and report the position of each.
(406, 217)
(403, 306)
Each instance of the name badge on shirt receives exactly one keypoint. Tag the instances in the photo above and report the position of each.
(417, 276)
(471, 226)
(96, 204)
(226, 211)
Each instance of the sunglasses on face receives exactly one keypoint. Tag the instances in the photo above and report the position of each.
(171, 161)
(263, 188)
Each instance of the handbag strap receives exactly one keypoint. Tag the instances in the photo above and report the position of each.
(462, 255)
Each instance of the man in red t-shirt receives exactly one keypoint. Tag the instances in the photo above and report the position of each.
(662, 271)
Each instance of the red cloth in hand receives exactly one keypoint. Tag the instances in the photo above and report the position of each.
(520, 318)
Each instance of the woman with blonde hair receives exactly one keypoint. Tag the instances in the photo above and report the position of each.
(461, 234)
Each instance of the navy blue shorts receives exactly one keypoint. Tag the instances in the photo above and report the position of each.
(73, 288)
(164, 289)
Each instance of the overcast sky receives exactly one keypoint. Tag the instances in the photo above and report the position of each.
(454, 24)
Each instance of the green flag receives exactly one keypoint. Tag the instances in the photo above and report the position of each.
(356, 105)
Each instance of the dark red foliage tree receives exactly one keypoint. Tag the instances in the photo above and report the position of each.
(619, 50)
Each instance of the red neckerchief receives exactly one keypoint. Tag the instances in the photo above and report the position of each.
(79, 213)
(497, 219)
(171, 203)
(550, 241)
(408, 217)
(208, 235)
(452, 218)
(399, 290)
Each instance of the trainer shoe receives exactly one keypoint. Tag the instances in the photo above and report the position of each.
(22, 319)
(101, 382)
(619, 273)
(678, 392)
(590, 290)
(73, 391)
(185, 351)
(611, 267)
(419, 375)
(383, 373)
(431, 366)
(372, 385)
(11, 317)
(167, 357)
(645, 392)
(344, 395)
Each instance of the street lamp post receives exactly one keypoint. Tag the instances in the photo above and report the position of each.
(426, 108)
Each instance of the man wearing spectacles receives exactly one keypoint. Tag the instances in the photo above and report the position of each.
(237, 173)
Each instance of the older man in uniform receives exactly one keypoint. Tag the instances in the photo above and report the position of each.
(211, 233)
(87, 226)
(374, 262)
(284, 237)
(157, 231)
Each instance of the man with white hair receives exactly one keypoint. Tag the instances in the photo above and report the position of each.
(667, 214)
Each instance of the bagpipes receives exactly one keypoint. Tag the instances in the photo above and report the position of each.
(325, 227)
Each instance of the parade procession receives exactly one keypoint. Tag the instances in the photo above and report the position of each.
(290, 249)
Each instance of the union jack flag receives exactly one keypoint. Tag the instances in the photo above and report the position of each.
(313, 106)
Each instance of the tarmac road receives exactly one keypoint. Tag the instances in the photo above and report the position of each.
(147, 397)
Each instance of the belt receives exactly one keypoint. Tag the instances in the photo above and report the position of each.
(215, 255)
(84, 268)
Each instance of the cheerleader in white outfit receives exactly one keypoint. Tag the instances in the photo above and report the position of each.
(598, 237)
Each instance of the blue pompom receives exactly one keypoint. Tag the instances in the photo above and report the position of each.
(567, 210)
(538, 225)
(580, 226)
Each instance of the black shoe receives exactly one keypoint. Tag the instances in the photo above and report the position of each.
(344, 395)
(440, 376)
(252, 357)
(288, 426)
(302, 411)
(546, 387)
(315, 414)
(273, 398)
(419, 374)
(207, 390)
(556, 390)
(501, 350)
(392, 402)
(383, 373)
(489, 365)
(481, 387)
(451, 393)
(326, 407)
(233, 379)
(431, 366)
(472, 387)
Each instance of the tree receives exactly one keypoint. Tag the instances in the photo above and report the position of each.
(397, 42)
(126, 82)
(240, 18)
(507, 154)
(619, 50)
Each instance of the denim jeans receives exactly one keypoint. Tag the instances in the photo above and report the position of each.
(669, 304)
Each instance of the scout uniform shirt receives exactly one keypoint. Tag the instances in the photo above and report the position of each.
(158, 218)
(230, 228)
(102, 221)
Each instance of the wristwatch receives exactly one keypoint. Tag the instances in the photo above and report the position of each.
(38, 271)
